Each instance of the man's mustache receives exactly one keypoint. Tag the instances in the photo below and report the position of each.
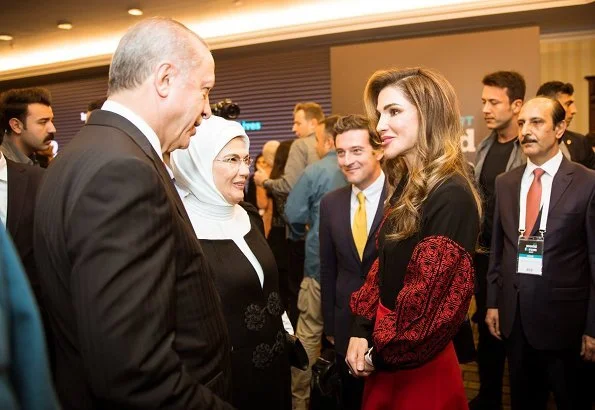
(527, 140)
(49, 138)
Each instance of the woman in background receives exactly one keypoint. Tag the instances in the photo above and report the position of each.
(214, 170)
(257, 195)
(417, 293)
(278, 235)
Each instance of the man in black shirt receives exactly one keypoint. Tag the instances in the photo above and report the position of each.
(502, 97)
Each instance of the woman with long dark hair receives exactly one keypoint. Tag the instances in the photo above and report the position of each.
(417, 293)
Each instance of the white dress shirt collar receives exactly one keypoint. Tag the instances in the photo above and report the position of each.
(142, 125)
(138, 122)
(374, 189)
(550, 167)
(3, 169)
(372, 194)
(3, 189)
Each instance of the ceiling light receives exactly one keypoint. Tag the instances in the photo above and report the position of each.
(135, 12)
(6, 37)
(64, 25)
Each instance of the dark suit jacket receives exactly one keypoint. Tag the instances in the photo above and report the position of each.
(134, 310)
(23, 183)
(558, 307)
(579, 148)
(341, 271)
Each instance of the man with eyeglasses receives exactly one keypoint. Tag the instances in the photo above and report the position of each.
(302, 208)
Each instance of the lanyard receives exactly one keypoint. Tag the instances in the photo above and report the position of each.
(545, 209)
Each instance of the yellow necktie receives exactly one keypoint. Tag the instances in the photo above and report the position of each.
(360, 225)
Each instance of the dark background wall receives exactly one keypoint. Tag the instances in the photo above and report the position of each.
(266, 85)
(464, 59)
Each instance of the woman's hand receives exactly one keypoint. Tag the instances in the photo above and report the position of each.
(355, 359)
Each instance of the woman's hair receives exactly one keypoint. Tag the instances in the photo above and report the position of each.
(438, 154)
(280, 159)
(268, 151)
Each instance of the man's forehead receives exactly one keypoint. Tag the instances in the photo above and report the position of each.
(492, 89)
(536, 109)
(39, 110)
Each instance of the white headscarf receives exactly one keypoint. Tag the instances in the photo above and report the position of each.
(211, 215)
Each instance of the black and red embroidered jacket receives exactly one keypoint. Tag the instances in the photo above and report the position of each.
(425, 282)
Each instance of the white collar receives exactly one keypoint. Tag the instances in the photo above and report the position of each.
(3, 169)
(375, 188)
(551, 166)
(138, 122)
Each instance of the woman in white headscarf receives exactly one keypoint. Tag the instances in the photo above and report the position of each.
(213, 172)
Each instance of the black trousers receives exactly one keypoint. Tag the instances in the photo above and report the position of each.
(278, 243)
(352, 388)
(534, 373)
(295, 274)
(491, 353)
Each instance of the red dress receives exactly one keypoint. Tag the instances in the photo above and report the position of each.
(436, 384)
(413, 302)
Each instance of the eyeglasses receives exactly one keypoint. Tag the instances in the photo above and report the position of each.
(235, 160)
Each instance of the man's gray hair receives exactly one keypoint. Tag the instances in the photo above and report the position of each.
(146, 44)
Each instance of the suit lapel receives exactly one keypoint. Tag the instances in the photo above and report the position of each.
(102, 117)
(17, 189)
(561, 182)
(515, 197)
(371, 243)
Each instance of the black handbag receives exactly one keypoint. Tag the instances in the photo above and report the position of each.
(298, 357)
(325, 384)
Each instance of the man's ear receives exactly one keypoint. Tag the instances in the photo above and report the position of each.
(516, 106)
(164, 76)
(16, 125)
(560, 128)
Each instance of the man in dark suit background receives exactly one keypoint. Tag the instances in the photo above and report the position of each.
(18, 189)
(575, 146)
(344, 259)
(17, 204)
(135, 314)
(546, 318)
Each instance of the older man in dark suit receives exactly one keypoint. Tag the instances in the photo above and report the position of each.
(541, 280)
(136, 316)
(347, 238)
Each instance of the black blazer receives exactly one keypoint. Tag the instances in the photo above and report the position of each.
(132, 304)
(341, 271)
(579, 148)
(558, 307)
(23, 182)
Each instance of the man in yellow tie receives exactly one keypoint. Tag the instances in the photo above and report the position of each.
(349, 219)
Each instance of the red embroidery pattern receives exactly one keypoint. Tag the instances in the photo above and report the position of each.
(364, 301)
(432, 305)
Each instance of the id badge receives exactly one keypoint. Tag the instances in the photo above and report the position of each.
(530, 256)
